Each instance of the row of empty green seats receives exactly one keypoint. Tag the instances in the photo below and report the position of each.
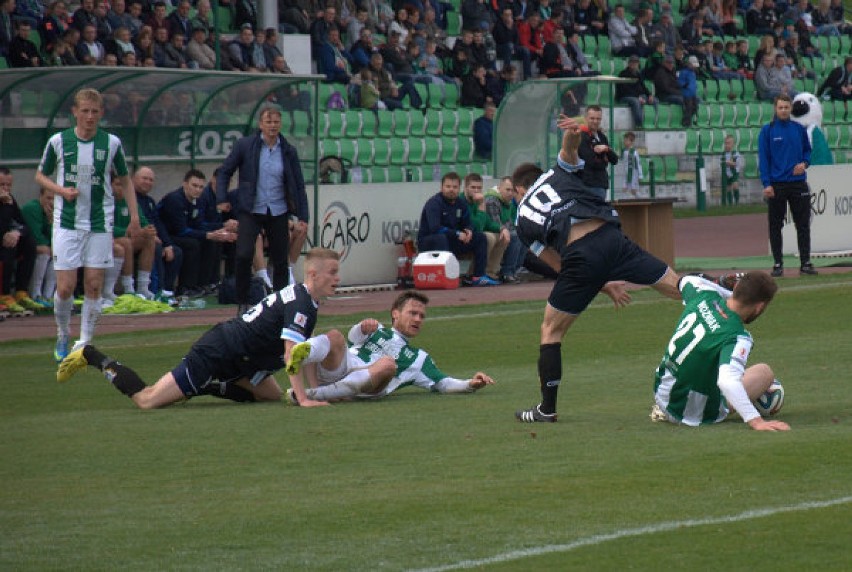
(397, 151)
(421, 173)
(337, 124)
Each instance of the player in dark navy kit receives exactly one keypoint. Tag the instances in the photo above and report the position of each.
(235, 359)
(579, 234)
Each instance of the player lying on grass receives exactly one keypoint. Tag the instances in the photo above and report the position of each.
(235, 359)
(574, 230)
(381, 359)
(703, 372)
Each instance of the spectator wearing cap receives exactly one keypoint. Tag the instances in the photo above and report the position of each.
(666, 84)
(636, 94)
(689, 90)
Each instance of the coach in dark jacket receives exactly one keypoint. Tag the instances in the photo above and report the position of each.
(271, 189)
(594, 149)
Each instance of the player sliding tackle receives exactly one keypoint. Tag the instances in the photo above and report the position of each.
(703, 372)
(235, 359)
(578, 233)
(380, 361)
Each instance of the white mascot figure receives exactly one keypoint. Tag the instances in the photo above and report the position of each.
(807, 112)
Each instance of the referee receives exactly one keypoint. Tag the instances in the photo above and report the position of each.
(784, 153)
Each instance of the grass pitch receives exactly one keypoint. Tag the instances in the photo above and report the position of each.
(421, 481)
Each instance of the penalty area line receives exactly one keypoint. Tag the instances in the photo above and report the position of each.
(640, 531)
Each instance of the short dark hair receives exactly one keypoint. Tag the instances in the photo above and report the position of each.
(472, 178)
(451, 175)
(526, 174)
(194, 173)
(782, 97)
(630, 135)
(5, 170)
(403, 298)
(754, 287)
(594, 108)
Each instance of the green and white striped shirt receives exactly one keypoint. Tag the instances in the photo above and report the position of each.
(86, 166)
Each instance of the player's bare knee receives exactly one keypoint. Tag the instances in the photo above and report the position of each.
(336, 338)
(763, 372)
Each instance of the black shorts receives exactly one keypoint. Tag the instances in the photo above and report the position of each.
(590, 262)
(208, 359)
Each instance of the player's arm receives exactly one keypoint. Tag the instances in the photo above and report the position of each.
(67, 193)
(297, 381)
(359, 333)
(570, 139)
(134, 228)
(730, 382)
(690, 286)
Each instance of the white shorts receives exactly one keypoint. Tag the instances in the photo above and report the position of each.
(349, 364)
(73, 249)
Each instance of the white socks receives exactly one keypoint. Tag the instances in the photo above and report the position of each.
(143, 280)
(263, 274)
(320, 346)
(354, 384)
(62, 312)
(110, 278)
(37, 284)
(88, 320)
(127, 284)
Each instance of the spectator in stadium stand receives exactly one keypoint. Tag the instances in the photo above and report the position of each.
(242, 51)
(551, 24)
(635, 95)
(462, 54)
(431, 29)
(85, 15)
(784, 155)
(89, 50)
(529, 36)
(473, 93)
(590, 18)
(483, 133)
(391, 94)
(202, 17)
(7, 25)
(667, 32)
(117, 15)
(689, 90)
(621, 34)
(759, 20)
(120, 43)
(199, 52)
(645, 35)
(157, 18)
(666, 86)
(508, 42)
(270, 46)
(22, 52)
(259, 54)
(396, 57)
(178, 20)
(176, 52)
(320, 28)
(334, 60)
(838, 84)
(474, 12)
(161, 42)
(52, 26)
(445, 225)
(135, 11)
(362, 49)
(245, 12)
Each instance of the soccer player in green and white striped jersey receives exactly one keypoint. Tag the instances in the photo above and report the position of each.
(380, 361)
(81, 158)
(703, 373)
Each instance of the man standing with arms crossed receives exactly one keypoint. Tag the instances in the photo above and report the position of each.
(784, 154)
(82, 158)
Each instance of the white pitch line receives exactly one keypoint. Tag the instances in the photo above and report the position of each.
(640, 531)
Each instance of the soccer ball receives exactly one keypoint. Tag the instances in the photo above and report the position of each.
(772, 401)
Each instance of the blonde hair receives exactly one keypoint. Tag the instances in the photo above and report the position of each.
(88, 94)
(315, 255)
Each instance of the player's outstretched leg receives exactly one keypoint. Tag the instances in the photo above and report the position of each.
(298, 354)
(71, 364)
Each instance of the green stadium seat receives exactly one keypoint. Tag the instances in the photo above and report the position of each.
(422, 91)
(465, 149)
(435, 95)
(364, 152)
(449, 148)
(301, 123)
(729, 115)
(750, 167)
(718, 142)
(664, 116)
(703, 114)
(451, 95)
(224, 19)
(432, 151)
(379, 175)
(381, 155)
(325, 91)
(749, 91)
(676, 117)
(659, 170)
(417, 123)
(385, 122)
(415, 151)
(449, 122)
(465, 119)
(401, 123)
(397, 151)
(433, 122)
(348, 151)
(845, 140)
(369, 123)
(604, 48)
(335, 123)
(396, 174)
(329, 148)
(671, 169)
(352, 123)
(725, 90)
(3, 63)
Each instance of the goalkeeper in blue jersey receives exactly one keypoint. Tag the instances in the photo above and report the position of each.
(379, 361)
(703, 374)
